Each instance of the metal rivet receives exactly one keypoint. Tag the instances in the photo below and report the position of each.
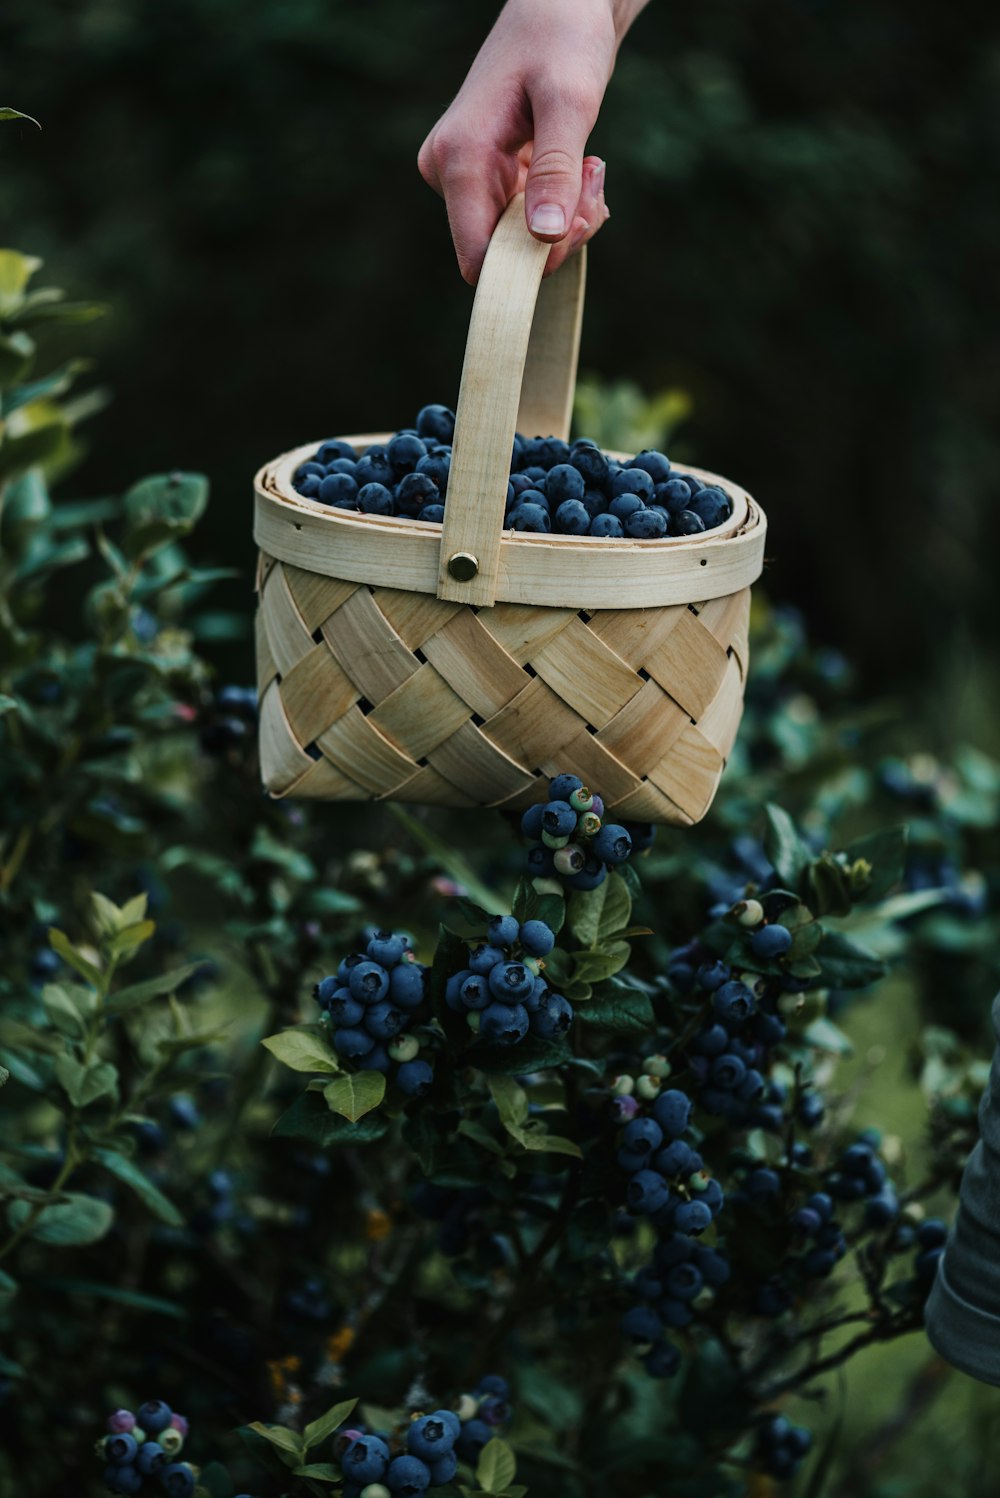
(463, 566)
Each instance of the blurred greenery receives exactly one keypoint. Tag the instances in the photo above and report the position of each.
(804, 238)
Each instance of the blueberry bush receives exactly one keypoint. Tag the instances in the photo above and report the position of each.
(413, 1152)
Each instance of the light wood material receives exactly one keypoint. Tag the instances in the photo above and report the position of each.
(381, 678)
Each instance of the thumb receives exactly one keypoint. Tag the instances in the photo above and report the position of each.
(552, 187)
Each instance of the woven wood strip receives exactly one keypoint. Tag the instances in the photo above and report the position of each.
(420, 714)
(363, 754)
(534, 725)
(315, 693)
(368, 648)
(480, 707)
(473, 664)
(586, 673)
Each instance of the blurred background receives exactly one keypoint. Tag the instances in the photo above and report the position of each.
(803, 247)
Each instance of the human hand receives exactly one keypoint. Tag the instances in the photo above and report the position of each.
(520, 122)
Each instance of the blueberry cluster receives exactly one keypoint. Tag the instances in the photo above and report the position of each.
(140, 1452)
(929, 1238)
(861, 1176)
(501, 991)
(570, 838)
(370, 1003)
(573, 490)
(230, 721)
(727, 1057)
(375, 1467)
(669, 1185)
(782, 1447)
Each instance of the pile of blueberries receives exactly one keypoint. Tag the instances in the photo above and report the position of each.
(573, 490)
(501, 990)
(434, 1445)
(570, 839)
(140, 1452)
(371, 1003)
(668, 1184)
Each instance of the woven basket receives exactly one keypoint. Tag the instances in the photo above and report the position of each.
(462, 665)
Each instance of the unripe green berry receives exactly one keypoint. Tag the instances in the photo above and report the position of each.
(623, 1086)
(376, 1490)
(171, 1440)
(657, 1066)
(403, 1047)
(647, 1087)
(137, 1435)
(699, 1181)
(581, 800)
(587, 824)
(472, 1019)
(551, 841)
(467, 1407)
(569, 860)
(748, 912)
(533, 964)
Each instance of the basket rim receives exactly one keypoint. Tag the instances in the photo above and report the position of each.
(353, 546)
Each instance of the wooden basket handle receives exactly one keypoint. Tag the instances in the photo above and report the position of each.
(519, 375)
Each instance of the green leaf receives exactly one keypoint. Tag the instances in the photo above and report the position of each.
(617, 907)
(16, 353)
(355, 1094)
(595, 966)
(60, 942)
(480, 1135)
(153, 988)
(584, 912)
(619, 1007)
(783, 846)
(497, 1466)
(530, 1055)
(310, 1118)
(534, 904)
(8, 704)
(131, 938)
(85, 1084)
(885, 851)
(163, 508)
(37, 445)
(829, 889)
(215, 1479)
(319, 1472)
(135, 1299)
(6, 113)
(302, 1050)
(126, 1170)
(512, 1105)
(61, 1011)
(284, 1440)
(107, 918)
(826, 1036)
(76, 1219)
(552, 1144)
(846, 963)
(325, 1425)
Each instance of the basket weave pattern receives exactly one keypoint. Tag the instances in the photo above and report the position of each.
(374, 693)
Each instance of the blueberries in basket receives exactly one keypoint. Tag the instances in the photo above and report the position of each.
(552, 487)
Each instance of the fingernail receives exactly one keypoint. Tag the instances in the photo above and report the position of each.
(598, 178)
(548, 218)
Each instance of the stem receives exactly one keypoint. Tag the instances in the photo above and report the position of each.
(886, 1331)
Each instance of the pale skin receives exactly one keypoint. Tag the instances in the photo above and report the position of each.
(521, 122)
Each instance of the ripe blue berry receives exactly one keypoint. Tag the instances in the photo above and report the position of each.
(510, 982)
(432, 514)
(933, 1233)
(365, 1459)
(122, 1479)
(675, 494)
(684, 1281)
(384, 1020)
(436, 422)
(531, 821)
(727, 1071)
(565, 483)
(552, 1017)
(572, 518)
(475, 1434)
(120, 1448)
(386, 948)
(625, 505)
(176, 1479)
(593, 873)
(352, 1043)
(612, 843)
(431, 1436)
(338, 489)
(558, 818)
(503, 931)
(151, 1458)
(335, 451)
(692, 1217)
(483, 958)
(415, 1077)
(655, 463)
(368, 982)
(406, 985)
(675, 1159)
(641, 1324)
(475, 992)
(527, 515)
(415, 491)
(444, 1469)
(607, 526)
(712, 975)
(634, 481)
(672, 1111)
(153, 1416)
(536, 938)
(734, 1002)
(404, 452)
(713, 506)
(647, 1191)
(762, 1184)
(374, 468)
(642, 1135)
(504, 1024)
(768, 942)
(436, 466)
(686, 523)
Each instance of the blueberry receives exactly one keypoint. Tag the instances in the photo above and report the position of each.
(120, 1449)
(646, 525)
(692, 1217)
(432, 514)
(641, 1324)
(655, 463)
(436, 422)
(647, 1191)
(444, 1469)
(727, 1071)
(675, 1313)
(711, 1041)
(406, 985)
(436, 467)
(311, 469)
(593, 873)
(122, 1479)
(675, 494)
(518, 483)
(121, 1420)
(819, 1262)
(551, 451)
(564, 483)
(627, 1160)
(365, 1459)
(375, 499)
(474, 992)
(368, 982)
(607, 526)
(308, 486)
(338, 489)
(352, 1043)
(762, 1184)
(531, 821)
(431, 1436)
(613, 844)
(553, 1017)
(751, 1087)
(770, 941)
(624, 505)
(734, 1002)
(383, 1020)
(483, 959)
(415, 491)
(336, 451)
(715, 1268)
(404, 453)
(662, 1361)
(526, 516)
(642, 1136)
(153, 1416)
(415, 1077)
(343, 465)
(926, 1263)
(558, 818)
(504, 1024)
(503, 931)
(672, 1111)
(561, 787)
(374, 468)
(882, 1209)
(537, 938)
(686, 523)
(634, 481)
(712, 505)
(493, 1383)
(540, 861)
(475, 1434)
(510, 982)
(933, 1233)
(176, 1479)
(684, 1281)
(571, 518)
(676, 1158)
(594, 502)
(588, 460)
(151, 1458)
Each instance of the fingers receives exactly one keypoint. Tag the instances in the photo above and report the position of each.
(477, 179)
(590, 215)
(555, 176)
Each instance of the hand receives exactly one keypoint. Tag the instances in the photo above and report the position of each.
(520, 122)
